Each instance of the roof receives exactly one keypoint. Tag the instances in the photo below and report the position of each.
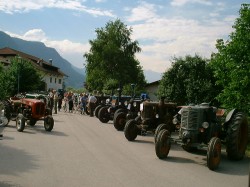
(37, 62)
(153, 83)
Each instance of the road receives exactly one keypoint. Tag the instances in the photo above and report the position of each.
(83, 152)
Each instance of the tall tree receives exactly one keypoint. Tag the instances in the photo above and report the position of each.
(112, 58)
(232, 64)
(20, 76)
(189, 80)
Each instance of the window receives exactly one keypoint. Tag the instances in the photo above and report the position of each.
(60, 81)
(55, 80)
(50, 79)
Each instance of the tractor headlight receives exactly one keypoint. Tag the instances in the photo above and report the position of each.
(120, 103)
(157, 115)
(2, 112)
(175, 121)
(205, 125)
(134, 104)
(138, 114)
(126, 103)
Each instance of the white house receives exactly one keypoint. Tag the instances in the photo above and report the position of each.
(52, 76)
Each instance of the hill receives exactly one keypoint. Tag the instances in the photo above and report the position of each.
(76, 76)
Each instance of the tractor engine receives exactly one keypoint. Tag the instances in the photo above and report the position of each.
(198, 124)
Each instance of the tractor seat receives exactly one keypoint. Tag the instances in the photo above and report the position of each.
(220, 112)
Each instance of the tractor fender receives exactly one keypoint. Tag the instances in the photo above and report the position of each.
(230, 115)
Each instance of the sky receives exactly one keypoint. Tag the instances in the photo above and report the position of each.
(163, 28)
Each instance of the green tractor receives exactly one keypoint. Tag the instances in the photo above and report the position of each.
(207, 126)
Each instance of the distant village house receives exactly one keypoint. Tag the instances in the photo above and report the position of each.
(52, 76)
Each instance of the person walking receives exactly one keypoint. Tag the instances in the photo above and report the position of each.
(92, 100)
(55, 95)
(70, 100)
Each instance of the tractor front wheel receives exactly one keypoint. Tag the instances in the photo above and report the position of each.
(120, 121)
(214, 153)
(20, 122)
(48, 123)
(162, 144)
(103, 115)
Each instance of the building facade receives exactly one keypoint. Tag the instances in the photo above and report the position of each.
(52, 76)
(152, 89)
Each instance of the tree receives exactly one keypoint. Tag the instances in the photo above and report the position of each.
(20, 76)
(231, 64)
(112, 58)
(189, 80)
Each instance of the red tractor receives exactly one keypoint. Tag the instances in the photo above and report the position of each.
(29, 111)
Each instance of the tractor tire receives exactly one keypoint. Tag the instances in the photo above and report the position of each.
(32, 122)
(119, 111)
(48, 123)
(97, 110)
(237, 136)
(161, 127)
(162, 144)
(214, 153)
(103, 115)
(120, 121)
(131, 130)
(20, 123)
(189, 148)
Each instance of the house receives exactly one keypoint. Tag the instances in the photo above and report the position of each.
(152, 89)
(52, 76)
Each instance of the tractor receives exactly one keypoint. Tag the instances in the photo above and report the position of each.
(28, 111)
(207, 126)
(153, 117)
(121, 117)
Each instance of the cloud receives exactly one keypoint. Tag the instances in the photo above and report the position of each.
(20, 6)
(183, 2)
(163, 38)
(71, 51)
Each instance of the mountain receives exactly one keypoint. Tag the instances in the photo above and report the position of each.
(152, 76)
(76, 76)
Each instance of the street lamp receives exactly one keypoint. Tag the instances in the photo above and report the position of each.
(18, 73)
(133, 90)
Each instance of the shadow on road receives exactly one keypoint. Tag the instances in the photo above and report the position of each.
(15, 161)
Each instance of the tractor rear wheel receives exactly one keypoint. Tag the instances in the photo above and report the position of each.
(120, 121)
(20, 122)
(97, 110)
(214, 153)
(162, 144)
(237, 136)
(48, 123)
(131, 130)
(103, 115)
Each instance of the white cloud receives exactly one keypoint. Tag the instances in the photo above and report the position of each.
(183, 2)
(162, 38)
(28, 5)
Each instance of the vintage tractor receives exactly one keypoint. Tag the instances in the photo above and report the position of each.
(101, 102)
(29, 111)
(122, 116)
(107, 113)
(153, 117)
(206, 126)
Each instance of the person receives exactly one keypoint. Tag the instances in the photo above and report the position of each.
(84, 99)
(55, 97)
(91, 101)
(51, 100)
(60, 98)
(70, 100)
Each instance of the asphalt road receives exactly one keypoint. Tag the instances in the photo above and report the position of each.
(83, 152)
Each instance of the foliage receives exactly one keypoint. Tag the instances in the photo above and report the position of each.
(189, 80)
(231, 64)
(111, 59)
(19, 75)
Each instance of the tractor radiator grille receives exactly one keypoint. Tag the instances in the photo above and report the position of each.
(189, 119)
(40, 109)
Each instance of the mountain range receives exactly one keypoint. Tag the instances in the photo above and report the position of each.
(76, 76)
